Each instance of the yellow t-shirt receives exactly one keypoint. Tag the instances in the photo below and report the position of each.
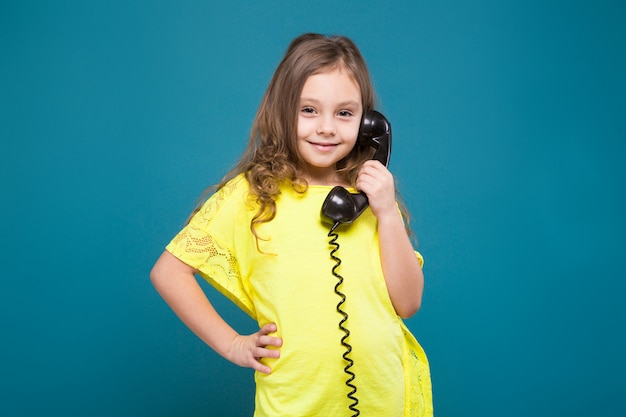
(290, 282)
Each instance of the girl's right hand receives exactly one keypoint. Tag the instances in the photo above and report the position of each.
(247, 351)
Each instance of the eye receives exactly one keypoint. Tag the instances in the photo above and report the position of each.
(307, 110)
(345, 113)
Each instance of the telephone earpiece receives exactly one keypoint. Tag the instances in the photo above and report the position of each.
(341, 206)
(375, 131)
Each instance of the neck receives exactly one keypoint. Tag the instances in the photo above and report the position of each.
(323, 178)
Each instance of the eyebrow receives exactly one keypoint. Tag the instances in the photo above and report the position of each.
(342, 104)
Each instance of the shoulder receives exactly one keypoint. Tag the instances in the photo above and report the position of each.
(236, 185)
(236, 190)
(228, 200)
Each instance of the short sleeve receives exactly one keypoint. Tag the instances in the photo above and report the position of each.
(420, 258)
(206, 243)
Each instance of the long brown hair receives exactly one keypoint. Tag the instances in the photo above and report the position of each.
(271, 157)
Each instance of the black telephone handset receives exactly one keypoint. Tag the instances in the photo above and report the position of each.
(342, 206)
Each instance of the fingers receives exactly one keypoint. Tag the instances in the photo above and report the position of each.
(269, 341)
(248, 351)
(258, 366)
(376, 181)
(374, 173)
(256, 363)
(265, 340)
(260, 351)
(267, 329)
(253, 359)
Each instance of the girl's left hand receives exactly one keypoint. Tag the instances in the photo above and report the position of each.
(377, 183)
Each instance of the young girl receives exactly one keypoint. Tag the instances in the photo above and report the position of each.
(260, 241)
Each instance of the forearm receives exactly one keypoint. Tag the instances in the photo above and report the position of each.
(401, 268)
(176, 283)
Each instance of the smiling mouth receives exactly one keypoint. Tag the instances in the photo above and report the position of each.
(323, 146)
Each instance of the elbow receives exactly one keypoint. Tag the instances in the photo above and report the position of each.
(409, 308)
(408, 302)
(158, 274)
(159, 277)
(167, 270)
(155, 275)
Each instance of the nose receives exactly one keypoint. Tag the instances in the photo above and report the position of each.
(326, 127)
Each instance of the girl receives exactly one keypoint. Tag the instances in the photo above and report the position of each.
(260, 241)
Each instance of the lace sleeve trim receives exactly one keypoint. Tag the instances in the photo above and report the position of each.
(214, 262)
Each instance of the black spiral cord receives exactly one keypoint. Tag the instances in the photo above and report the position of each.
(351, 376)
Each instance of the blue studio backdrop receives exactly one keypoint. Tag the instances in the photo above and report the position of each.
(509, 131)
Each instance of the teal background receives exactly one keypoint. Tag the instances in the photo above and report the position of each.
(509, 128)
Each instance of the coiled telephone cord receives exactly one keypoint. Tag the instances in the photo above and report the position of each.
(344, 340)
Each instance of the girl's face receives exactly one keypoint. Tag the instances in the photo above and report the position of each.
(328, 123)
